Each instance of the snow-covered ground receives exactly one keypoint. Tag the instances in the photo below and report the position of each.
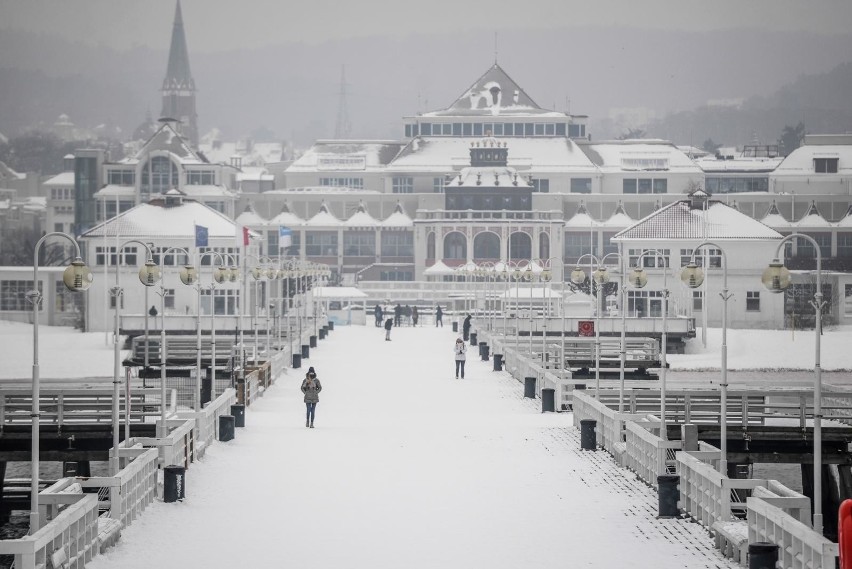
(408, 467)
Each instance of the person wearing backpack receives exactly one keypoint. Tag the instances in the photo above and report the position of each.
(311, 387)
(388, 326)
(460, 350)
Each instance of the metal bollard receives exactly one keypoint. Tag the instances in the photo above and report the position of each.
(548, 400)
(762, 555)
(498, 362)
(226, 428)
(473, 339)
(312, 341)
(297, 361)
(306, 351)
(455, 326)
(238, 410)
(529, 387)
(668, 495)
(174, 483)
(588, 436)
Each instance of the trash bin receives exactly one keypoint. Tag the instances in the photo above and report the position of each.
(226, 428)
(588, 436)
(484, 351)
(238, 410)
(529, 387)
(322, 333)
(306, 351)
(331, 324)
(762, 555)
(668, 494)
(174, 483)
(473, 339)
(312, 341)
(498, 362)
(297, 361)
(548, 400)
(455, 326)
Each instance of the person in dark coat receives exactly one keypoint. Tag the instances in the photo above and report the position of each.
(397, 314)
(388, 326)
(311, 387)
(439, 314)
(406, 311)
(379, 315)
(466, 327)
(414, 315)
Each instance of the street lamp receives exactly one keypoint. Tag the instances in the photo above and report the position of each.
(639, 278)
(149, 274)
(777, 278)
(77, 278)
(260, 271)
(548, 275)
(693, 276)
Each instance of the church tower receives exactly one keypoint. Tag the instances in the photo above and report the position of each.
(179, 86)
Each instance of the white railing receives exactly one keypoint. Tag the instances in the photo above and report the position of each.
(207, 420)
(132, 488)
(178, 447)
(800, 547)
(69, 540)
(647, 454)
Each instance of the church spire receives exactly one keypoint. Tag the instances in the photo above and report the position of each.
(178, 85)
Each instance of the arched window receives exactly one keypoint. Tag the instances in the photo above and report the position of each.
(520, 246)
(430, 246)
(543, 245)
(159, 175)
(455, 246)
(486, 245)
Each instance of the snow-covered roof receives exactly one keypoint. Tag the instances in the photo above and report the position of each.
(166, 139)
(740, 164)
(206, 191)
(428, 154)
(684, 220)
(644, 155)
(323, 218)
(250, 218)
(157, 220)
(774, 219)
(846, 221)
(398, 219)
(115, 191)
(361, 218)
(286, 218)
(438, 269)
(618, 219)
(338, 293)
(581, 219)
(812, 218)
(254, 173)
(801, 160)
(346, 156)
(63, 180)
(251, 154)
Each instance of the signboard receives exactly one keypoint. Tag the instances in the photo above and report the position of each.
(586, 327)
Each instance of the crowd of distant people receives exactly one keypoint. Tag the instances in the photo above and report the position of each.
(401, 315)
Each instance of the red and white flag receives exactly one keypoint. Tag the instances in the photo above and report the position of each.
(242, 235)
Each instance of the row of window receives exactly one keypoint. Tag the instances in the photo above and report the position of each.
(718, 185)
(645, 185)
(161, 170)
(495, 129)
(359, 244)
(62, 193)
(348, 182)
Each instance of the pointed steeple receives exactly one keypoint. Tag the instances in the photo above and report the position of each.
(178, 85)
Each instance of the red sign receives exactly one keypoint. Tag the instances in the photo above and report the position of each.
(586, 327)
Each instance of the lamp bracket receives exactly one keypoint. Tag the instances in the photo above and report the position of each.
(116, 291)
(33, 296)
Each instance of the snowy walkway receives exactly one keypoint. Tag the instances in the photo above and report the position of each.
(408, 468)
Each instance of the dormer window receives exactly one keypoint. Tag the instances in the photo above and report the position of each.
(825, 165)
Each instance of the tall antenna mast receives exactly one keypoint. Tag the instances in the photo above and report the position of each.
(342, 128)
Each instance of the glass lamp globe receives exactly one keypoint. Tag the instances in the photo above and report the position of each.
(545, 276)
(516, 274)
(776, 278)
(234, 274)
(601, 275)
(257, 272)
(220, 274)
(692, 275)
(271, 273)
(578, 276)
(188, 275)
(77, 276)
(149, 273)
(638, 278)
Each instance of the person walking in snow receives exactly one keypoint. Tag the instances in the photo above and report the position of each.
(388, 326)
(379, 315)
(311, 387)
(414, 315)
(466, 328)
(439, 314)
(460, 350)
(397, 314)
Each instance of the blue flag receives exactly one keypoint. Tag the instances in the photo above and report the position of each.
(200, 236)
(285, 237)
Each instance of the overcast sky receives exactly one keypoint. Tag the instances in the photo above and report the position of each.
(214, 25)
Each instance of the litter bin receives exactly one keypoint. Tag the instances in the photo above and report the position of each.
(312, 341)
(762, 555)
(322, 333)
(484, 351)
(548, 400)
(331, 324)
(174, 483)
(306, 351)
(226, 428)
(239, 412)
(529, 387)
(455, 326)
(498, 362)
(297, 361)
(668, 495)
(588, 436)
(473, 341)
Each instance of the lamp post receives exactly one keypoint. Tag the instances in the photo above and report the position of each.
(77, 278)
(693, 276)
(258, 272)
(777, 278)
(548, 274)
(221, 274)
(638, 278)
(517, 275)
(149, 274)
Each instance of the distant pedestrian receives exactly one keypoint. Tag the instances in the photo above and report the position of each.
(379, 314)
(407, 313)
(397, 314)
(414, 315)
(311, 387)
(439, 314)
(388, 326)
(466, 327)
(460, 350)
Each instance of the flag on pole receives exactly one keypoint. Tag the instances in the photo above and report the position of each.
(285, 237)
(200, 236)
(241, 235)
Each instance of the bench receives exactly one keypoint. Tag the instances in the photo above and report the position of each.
(732, 540)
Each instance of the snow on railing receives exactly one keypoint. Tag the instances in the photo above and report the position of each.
(69, 540)
(800, 547)
(647, 454)
(207, 420)
(178, 447)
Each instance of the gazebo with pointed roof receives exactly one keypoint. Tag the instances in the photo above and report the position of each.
(286, 218)
(581, 219)
(323, 218)
(774, 219)
(812, 218)
(361, 219)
